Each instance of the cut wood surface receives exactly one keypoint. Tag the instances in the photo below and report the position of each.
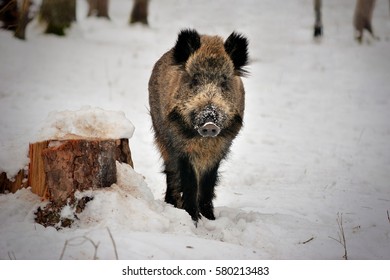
(36, 174)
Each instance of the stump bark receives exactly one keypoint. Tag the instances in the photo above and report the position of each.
(60, 168)
(18, 182)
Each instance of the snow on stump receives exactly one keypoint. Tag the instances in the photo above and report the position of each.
(77, 151)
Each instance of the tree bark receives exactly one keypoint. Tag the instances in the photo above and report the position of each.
(58, 14)
(362, 18)
(139, 12)
(17, 183)
(9, 14)
(98, 8)
(318, 28)
(23, 20)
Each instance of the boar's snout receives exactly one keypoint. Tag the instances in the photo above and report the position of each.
(209, 121)
(209, 130)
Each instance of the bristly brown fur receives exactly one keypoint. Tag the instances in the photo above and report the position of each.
(198, 80)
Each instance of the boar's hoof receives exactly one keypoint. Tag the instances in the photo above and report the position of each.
(209, 130)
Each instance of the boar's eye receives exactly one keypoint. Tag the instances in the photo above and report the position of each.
(224, 82)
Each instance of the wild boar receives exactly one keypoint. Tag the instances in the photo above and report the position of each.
(196, 99)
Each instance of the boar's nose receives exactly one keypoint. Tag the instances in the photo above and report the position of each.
(209, 129)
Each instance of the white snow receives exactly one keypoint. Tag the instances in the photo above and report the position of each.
(86, 123)
(315, 144)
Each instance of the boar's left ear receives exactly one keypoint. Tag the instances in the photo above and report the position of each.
(236, 47)
(187, 43)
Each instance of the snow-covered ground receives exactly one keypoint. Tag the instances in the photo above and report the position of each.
(315, 147)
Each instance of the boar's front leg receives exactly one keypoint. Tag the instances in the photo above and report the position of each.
(174, 191)
(182, 187)
(190, 188)
(207, 186)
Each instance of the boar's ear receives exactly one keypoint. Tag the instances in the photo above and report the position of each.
(236, 47)
(187, 43)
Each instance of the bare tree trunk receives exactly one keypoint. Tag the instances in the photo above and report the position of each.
(139, 12)
(20, 31)
(362, 18)
(98, 8)
(318, 28)
(9, 14)
(73, 7)
(58, 14)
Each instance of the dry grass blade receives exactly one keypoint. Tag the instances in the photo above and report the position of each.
(11, 256)
(80, 240)
(113, 244)
(341, 235)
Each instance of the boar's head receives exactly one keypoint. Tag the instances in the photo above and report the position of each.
(209, 100)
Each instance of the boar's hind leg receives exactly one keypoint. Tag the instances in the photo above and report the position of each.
(207, 185)
(190, 188)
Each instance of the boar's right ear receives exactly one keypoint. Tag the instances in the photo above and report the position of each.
(187, 43)
(236, 47)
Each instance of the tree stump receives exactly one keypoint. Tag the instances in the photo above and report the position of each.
(18, 182)
(59, 168)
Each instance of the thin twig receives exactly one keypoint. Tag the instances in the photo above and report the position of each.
(113, 243)
(307, 241)
(388, 216)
